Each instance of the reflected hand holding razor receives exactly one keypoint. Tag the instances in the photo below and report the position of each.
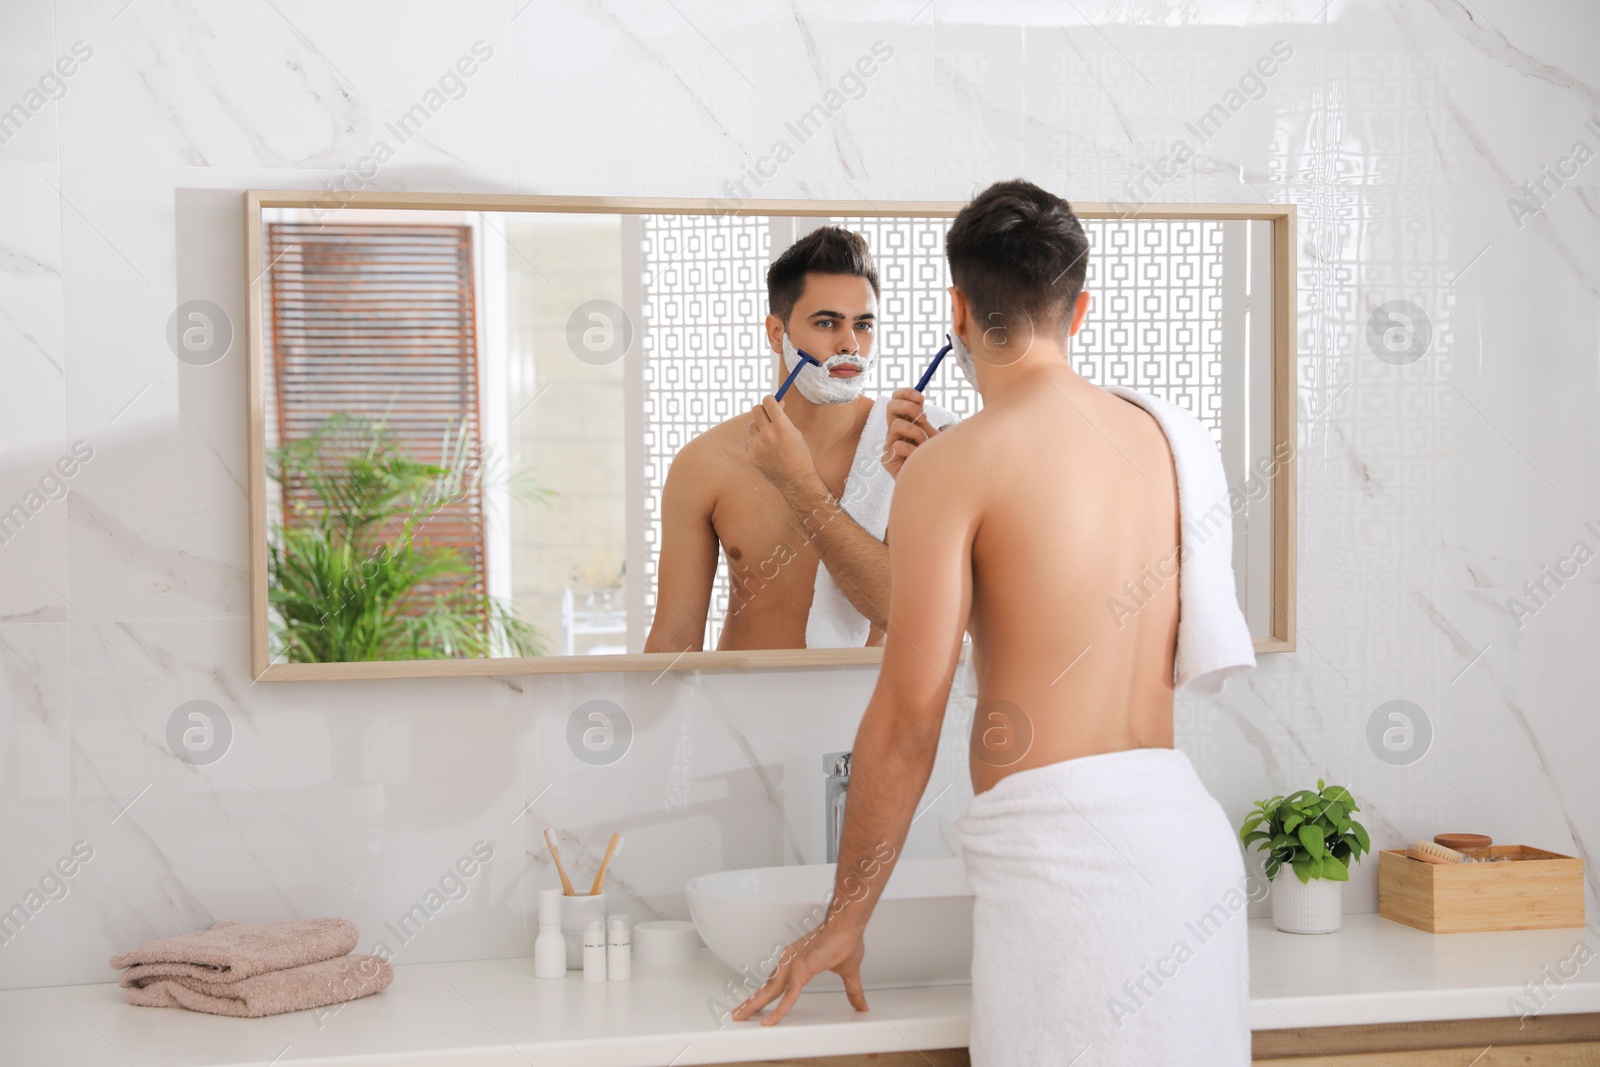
(927, 375)
(805, 358)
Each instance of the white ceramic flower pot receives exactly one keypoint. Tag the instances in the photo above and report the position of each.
(1312, 907)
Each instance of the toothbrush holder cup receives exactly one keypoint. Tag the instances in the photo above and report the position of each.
(576, 911)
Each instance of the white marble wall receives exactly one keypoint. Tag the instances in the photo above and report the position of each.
(1430, 492)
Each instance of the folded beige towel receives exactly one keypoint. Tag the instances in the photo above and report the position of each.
(231, 952)
(310, 985)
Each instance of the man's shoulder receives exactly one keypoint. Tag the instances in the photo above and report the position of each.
(704, 460)
(957, 446)
(945, 475)
(709, 441)
(1184, 433)
(1164, 411)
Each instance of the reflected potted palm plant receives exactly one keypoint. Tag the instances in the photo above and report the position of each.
(352, 575)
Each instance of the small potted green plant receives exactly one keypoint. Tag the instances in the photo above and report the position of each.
(1310, 832)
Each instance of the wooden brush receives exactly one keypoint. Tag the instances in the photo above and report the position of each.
(1429, 852)
(600, 877)
(550, 840)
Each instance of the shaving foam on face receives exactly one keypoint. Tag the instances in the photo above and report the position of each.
(817, 385)
(963, 358)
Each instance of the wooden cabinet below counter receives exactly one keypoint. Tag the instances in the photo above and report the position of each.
(1554, 1040)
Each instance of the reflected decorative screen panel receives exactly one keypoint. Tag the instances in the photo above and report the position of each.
(704, 303)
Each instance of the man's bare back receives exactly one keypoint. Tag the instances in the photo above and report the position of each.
(1065, 492)
(772, 563)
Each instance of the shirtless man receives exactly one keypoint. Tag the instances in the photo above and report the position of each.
(1017, 524)
(766, 486)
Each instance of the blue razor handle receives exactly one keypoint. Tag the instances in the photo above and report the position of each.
(927, 375)
(798, 367)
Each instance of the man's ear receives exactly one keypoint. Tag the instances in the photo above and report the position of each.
(960, 312)
(1079, 312)
(775, 334)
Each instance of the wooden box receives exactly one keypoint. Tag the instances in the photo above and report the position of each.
(1534, 891)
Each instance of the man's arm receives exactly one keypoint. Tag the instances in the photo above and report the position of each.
(687, 566)
(858, 561)
(931, 525)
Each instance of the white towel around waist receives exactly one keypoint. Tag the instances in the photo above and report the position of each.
(1109, 912)
(833, 621)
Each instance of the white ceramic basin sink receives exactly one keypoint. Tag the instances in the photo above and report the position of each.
(920, 933)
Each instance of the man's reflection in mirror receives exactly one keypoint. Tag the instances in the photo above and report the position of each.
(795, 493)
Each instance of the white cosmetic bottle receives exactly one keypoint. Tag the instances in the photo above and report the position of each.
(549, 948)
(594, 951)
(619, 949)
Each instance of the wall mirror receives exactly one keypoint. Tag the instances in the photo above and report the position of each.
(463, 409)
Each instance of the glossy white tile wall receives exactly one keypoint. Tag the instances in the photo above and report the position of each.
(1430, 492)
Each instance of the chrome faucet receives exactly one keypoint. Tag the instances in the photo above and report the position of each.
(836, 765)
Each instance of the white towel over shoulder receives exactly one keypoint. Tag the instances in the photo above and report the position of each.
(834, 622)
(1214, 640)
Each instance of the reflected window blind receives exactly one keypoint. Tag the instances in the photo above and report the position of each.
(381, 320)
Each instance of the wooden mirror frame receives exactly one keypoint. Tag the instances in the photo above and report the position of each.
(1282, 218)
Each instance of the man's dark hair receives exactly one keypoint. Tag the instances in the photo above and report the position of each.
(1018, 251)
(825, 250)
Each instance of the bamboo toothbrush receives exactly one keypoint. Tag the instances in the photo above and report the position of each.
(566, 884)
(600, 877)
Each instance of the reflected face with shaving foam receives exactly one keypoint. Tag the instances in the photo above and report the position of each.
(835, 321)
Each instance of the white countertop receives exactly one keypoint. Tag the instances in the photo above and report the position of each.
(494, 1012)
(1378, 971)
